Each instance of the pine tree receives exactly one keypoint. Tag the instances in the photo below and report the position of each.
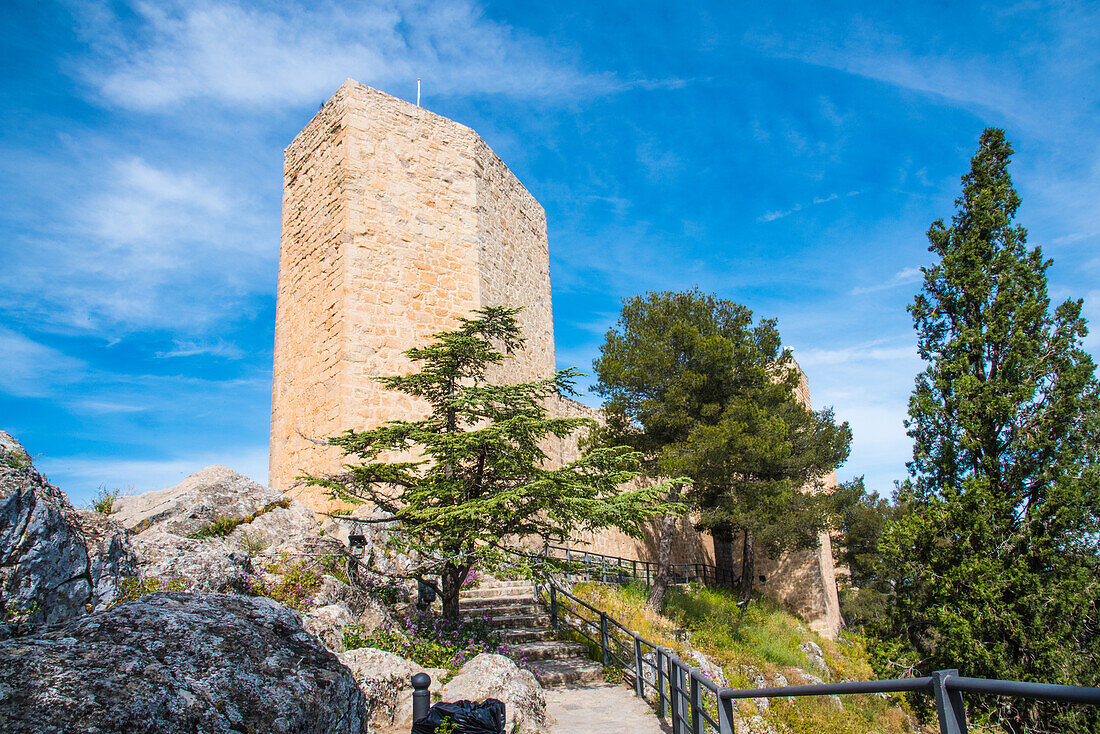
(995, 567)
(478, 482)
(704, 393)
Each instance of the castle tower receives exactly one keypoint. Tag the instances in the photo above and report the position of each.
(396, 222)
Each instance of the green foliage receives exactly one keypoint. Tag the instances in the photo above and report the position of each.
(995, 570)
(131, 587)
(15, 461)
(225, 525)
(764, 642)
(253, 543)
(428, 640)
(861, 519)
(104, 501)
(293, 583)
(701, 391)
(18, 615)
(475, 477)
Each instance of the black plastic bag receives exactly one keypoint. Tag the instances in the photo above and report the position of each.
(466, 717)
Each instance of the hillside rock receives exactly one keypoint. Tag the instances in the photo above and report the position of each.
(495, 676)
(55, 563)
(386, 682)
(177, 662)
(165, 522)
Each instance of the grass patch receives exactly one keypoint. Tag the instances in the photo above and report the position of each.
(764, 642)
(226, 525)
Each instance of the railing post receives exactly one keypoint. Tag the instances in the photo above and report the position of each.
(603, 640)
(725, 715)
(674, 700)
(422, 700)
(696, 706)
(661, 675)
(639, 672)
(949, 704)
(647, 581)
(553, 605)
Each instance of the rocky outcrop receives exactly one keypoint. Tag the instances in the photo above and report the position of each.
(386, 682)
(55, 562)
(178, 662)
(495, 676)
(206, 530)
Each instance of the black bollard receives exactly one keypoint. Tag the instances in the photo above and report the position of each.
(422, 700)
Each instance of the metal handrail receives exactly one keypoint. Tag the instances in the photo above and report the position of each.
(613, 566)
(682, 692)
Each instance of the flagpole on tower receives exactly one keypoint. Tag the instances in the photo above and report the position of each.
(418, 92)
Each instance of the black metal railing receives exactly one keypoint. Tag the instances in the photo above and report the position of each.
(616, 569)
(694, 704)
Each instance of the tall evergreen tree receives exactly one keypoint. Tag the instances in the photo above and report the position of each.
(477, 480)
(702, 392)
(995, 567)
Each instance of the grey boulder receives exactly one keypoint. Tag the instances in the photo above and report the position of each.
(177, 662)
(55, 562)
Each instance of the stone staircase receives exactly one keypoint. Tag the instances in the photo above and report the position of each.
(511, 606)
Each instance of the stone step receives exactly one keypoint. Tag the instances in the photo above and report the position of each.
(517, 621)
(568, 672)
(498, 607)
(548, 650)
(517, 583)
(521, 635)
(494, 593)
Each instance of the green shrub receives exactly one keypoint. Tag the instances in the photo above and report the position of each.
(432, 641)
(104, 501)
(131, 587)
(15, 460)
(226, 525)
(253, 544)
(293, 583)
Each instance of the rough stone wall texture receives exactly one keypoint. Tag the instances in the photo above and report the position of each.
(396, 222)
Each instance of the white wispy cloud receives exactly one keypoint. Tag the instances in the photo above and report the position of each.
(31, 369)
(859, 353)
(219, 348)
(284, 54)
(136, 249)
(905, 276)
(780, 213)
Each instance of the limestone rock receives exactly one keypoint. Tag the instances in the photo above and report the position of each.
(110, 556)
(46, 571)
(177, 662)
(208, 565)
(163, 521)
(214, 493)
(495, 676)
(386, 682)
(327, 624)
(815, 656)
(709, 668)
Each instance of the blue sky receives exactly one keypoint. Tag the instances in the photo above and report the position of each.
(789, 158)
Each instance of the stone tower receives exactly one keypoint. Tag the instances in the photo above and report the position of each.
(396, 222)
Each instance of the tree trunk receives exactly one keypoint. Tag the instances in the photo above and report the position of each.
(452, 578)
(664, 557)
(748, 568)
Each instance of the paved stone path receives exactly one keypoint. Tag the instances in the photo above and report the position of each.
(600, 708)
